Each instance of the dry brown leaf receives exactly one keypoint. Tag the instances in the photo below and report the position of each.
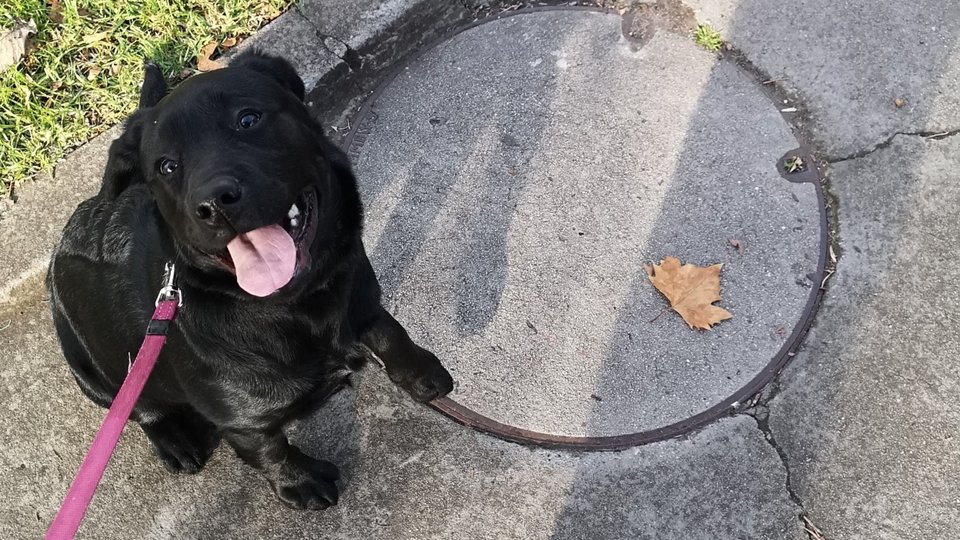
(691, 290)
(56, 12)
(13, 43)
(229, 43)
(204, 63)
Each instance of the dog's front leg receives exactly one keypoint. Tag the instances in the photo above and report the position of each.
(298, 480)
(413, 368)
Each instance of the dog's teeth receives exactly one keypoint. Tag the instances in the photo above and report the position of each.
(294, 222)
(293, 212)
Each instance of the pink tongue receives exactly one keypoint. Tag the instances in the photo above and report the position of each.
(264, 258)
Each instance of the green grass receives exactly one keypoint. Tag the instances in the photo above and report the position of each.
(81, 75)
(708, 38)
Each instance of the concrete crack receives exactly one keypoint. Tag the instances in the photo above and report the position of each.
(935, 135)
(761, 415)
(334, 45)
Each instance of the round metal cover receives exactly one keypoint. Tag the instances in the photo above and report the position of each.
(518, 176)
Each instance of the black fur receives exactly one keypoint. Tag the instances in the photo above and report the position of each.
(235, 366)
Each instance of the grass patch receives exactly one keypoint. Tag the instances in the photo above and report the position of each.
(708, 38)
(83, 68)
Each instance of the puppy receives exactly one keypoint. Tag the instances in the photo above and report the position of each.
(228, 177)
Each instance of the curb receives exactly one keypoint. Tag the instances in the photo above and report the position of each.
(341, 48)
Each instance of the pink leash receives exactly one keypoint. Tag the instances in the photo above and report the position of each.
(85, 483)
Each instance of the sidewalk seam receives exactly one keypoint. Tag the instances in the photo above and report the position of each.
(36, 267)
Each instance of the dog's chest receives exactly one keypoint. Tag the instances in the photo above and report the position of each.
(265, 361)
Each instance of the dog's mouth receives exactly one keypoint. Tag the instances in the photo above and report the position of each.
(268, 258)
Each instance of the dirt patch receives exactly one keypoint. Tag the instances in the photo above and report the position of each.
(25, 294)
(643, 21)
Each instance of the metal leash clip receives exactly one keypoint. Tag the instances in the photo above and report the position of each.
(169, 290)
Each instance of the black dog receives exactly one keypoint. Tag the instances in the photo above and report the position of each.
(229, 178)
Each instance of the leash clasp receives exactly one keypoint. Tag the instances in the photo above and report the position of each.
(169, 290)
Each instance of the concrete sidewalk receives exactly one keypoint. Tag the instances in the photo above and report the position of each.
(857, 438)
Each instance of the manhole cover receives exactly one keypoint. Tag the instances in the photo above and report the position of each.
(517, 177)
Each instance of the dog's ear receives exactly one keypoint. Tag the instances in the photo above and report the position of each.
(154, 85)
(273, 66)
(343, 171)
(123, 161)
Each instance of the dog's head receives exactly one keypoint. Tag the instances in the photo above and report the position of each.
(241, 174)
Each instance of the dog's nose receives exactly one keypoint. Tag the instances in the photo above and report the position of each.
(216, 198)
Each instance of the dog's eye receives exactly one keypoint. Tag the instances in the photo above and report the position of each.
(248, 119)
(167, 166)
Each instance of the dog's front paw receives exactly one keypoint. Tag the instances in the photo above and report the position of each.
(427, 380)
(183, 442)
(304, 483)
